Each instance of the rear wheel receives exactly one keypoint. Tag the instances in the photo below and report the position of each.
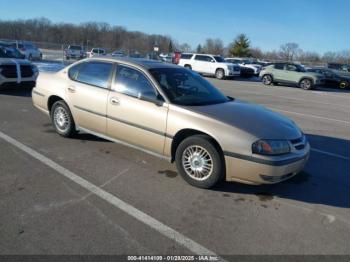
(199, 162)
(220, 73)
(188, 67)
(267, 80)
(62, 119)
(306, 84)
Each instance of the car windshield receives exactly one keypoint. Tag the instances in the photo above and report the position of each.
(74, 47)
(5, 53)
(185, 87)
(219, 59)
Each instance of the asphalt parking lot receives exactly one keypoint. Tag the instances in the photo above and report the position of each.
(43, 211)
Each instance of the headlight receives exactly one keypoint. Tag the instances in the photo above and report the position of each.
(35, 69)
(271, 147)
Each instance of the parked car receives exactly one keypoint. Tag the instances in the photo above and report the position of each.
(12, 51)
(289, 73)
(207, 64)
(16, 72)
(153, 56)
(168, 58)
(28, 49)
(247, 72)
(96, 52)
(174, 113)
(75, 52)
(338, 66)
(333, 78)
(118, 53)
(245, 63)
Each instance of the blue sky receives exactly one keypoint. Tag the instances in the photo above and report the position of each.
(317, 25)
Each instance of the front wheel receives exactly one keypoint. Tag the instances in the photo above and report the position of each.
(220, 74)
(188, 67)
(343, 84)
(199, 162)
(267, 80)
(306, 84)
(62, 119)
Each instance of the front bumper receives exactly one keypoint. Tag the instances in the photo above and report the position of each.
(261, 171)
(233, 73)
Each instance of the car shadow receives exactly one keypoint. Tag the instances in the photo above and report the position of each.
(328, 89)
(88, 137)
(332, 89)
(325, 179)
(16, 91)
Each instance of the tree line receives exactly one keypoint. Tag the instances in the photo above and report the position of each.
(94, 34)
(241, 47)
(90, 34)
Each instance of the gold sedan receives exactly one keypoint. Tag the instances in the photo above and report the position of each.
(174, 113)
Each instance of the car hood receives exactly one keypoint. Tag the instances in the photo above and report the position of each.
(254, 119)
(6, 61)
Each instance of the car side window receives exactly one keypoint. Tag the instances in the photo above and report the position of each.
(209, 58)
(132, 82)
(291, 68)
(73, 71)
(198, 58)
(279, 66)
(95, 73)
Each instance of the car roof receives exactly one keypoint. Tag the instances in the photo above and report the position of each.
(140, 62)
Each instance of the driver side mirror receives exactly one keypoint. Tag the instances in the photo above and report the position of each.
(152, 98)
(212, 60)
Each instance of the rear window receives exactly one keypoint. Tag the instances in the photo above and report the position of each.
(186, 56)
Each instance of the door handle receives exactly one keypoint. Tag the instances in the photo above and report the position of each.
(71, 89)
(115, 101)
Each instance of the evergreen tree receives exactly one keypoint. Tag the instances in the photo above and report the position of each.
(240, 46)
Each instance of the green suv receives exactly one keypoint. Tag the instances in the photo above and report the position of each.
(288, 73)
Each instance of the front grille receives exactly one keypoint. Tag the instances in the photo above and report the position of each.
(299, 143)
(9, 71)
(26, 71)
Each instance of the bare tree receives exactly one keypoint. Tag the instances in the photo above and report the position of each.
(97, 34)
(213, 46)
(289, 51)
(185, 48)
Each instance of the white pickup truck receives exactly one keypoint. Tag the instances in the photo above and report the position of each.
(207, 64)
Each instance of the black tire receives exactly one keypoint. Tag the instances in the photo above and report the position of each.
(220, 74)
(217, 170)
(343, 85)
(267, 80)
(188, 67)
(68, 128)
(67, 57)
(306, 84)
